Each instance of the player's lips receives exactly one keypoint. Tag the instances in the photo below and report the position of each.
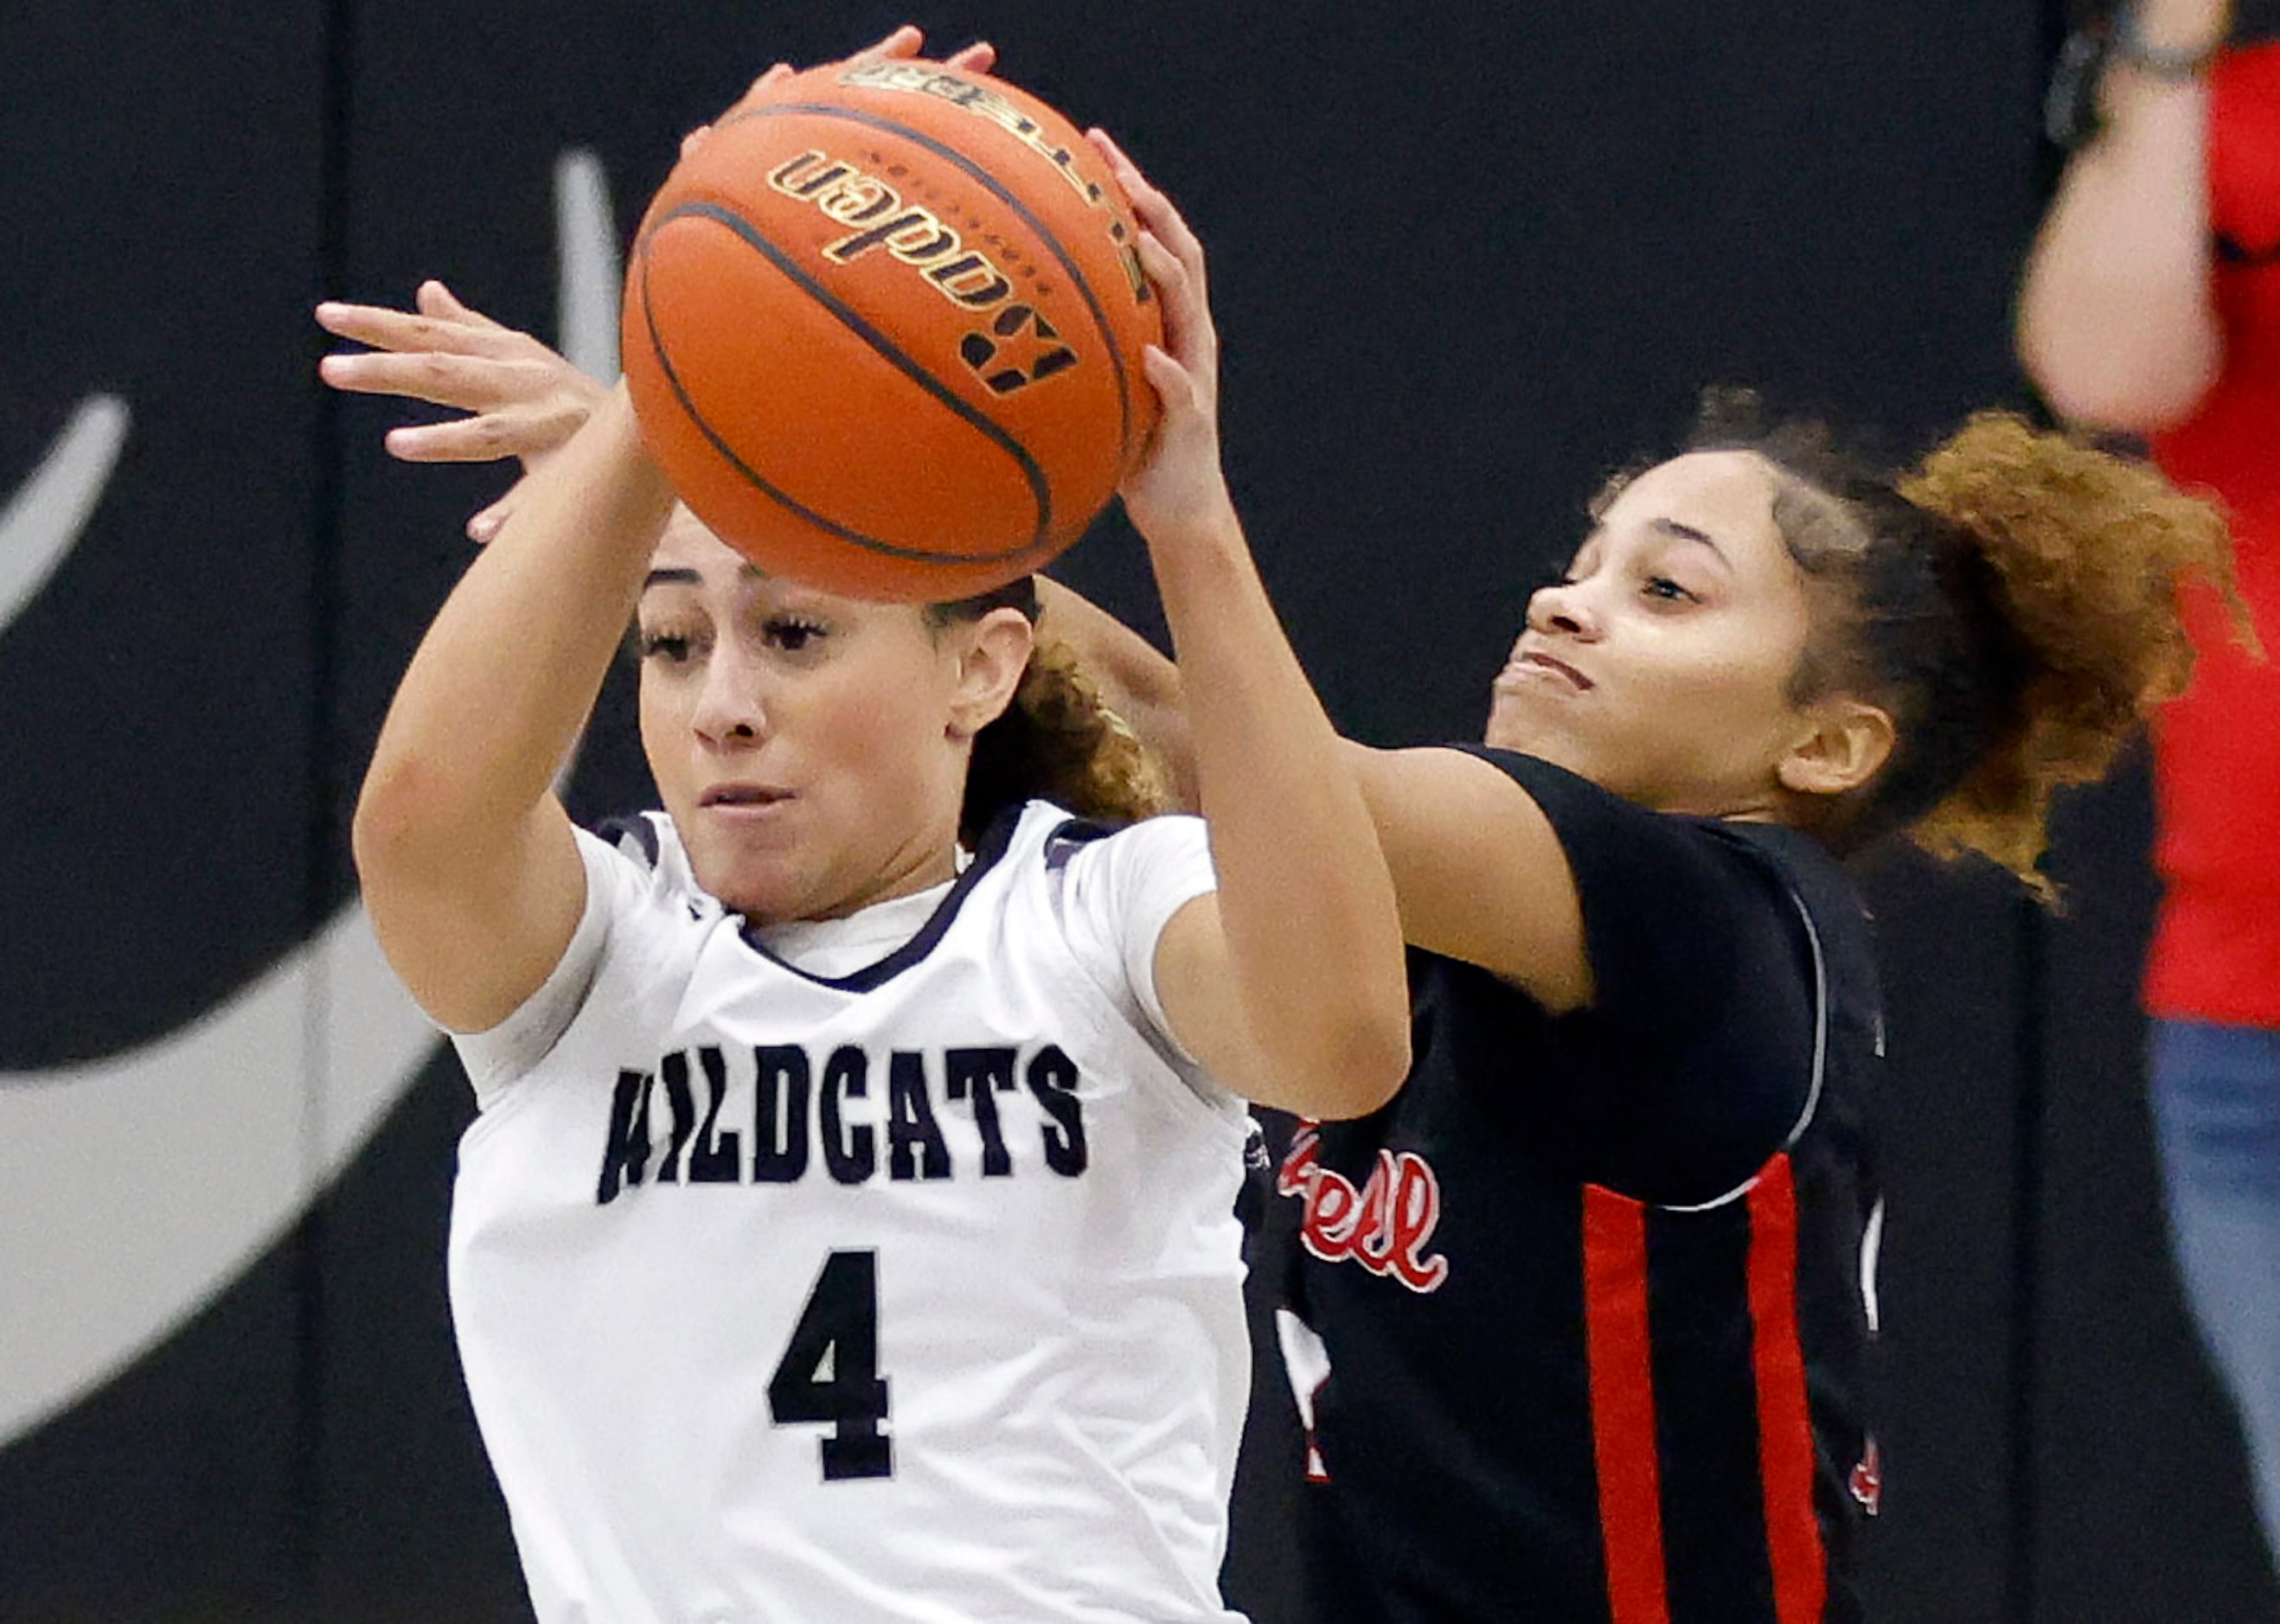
(736, 799)
(1535, 665)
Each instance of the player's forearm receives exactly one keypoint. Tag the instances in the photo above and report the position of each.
(2117, 321)
(507, 675)
(1304, 900)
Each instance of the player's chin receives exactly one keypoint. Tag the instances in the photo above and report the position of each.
(763, 885)
(1516, 723)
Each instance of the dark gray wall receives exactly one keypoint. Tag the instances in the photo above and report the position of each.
(1468, 258)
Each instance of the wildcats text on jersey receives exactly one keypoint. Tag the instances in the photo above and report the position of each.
(674, 1124)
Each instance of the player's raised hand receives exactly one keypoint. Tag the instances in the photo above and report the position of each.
(907, 43)
(903, 44)
(522, 399)
(1179, 481)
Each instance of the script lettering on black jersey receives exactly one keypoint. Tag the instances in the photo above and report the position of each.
(779, 1113)
(1384, 1225)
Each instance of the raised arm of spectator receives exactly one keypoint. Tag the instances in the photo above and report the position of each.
(2116, 324)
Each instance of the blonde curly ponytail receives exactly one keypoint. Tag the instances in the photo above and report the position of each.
(1058, 741)
(2087, 549)
(2012, 603)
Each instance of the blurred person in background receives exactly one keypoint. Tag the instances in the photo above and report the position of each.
(2151, 307)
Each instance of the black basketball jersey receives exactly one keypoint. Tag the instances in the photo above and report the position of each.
(1595, 1290)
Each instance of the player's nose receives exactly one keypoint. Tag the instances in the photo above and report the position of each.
(731, 708)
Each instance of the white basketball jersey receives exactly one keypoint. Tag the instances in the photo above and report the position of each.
(907, 1294)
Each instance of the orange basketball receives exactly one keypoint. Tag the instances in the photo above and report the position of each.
(883, 331)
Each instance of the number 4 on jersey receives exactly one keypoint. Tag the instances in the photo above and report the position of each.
(830, 1372)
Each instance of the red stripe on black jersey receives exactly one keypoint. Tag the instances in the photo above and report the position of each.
(1689, 1398)
(1619, 1345)
(1784, 1421)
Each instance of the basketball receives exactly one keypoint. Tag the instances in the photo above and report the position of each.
(883, 331)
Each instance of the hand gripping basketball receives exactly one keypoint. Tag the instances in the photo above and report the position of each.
(903, 44)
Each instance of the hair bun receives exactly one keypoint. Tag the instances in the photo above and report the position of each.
(2088, 551)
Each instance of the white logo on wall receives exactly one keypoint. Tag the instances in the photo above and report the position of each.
(225, 1130)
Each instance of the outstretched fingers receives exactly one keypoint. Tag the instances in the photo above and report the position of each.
(905, 41)
(521, 400)
(435, 299)
(439, 379)
(513, 427)
(384, 329)
(438, 324)
(446, 360)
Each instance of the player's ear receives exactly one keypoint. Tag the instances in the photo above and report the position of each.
(1845, 744)
(993, 653)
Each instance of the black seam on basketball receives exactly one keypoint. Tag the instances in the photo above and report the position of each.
(996, 189)
(879, 341)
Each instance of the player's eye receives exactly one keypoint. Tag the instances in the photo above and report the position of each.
(670, 648)
(793, 633)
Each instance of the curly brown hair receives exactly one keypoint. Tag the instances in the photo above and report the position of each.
(2011, 602)
(1058, 741)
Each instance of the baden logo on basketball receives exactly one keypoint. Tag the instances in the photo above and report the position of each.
(912, 233)
(917, 237)
(1024, 350)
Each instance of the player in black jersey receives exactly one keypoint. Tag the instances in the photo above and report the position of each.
(1579, 1316)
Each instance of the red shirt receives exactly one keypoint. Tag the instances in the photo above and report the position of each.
(2216, 946)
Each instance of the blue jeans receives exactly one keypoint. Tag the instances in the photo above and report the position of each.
(2215, 1094)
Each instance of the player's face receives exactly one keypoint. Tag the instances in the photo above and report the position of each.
(1659, 667)
(801, 741)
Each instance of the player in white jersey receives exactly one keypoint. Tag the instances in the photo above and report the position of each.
(917, 1199)
(846, 1232)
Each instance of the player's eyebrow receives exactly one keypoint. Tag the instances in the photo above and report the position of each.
(1672, 528)
(683, 576)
